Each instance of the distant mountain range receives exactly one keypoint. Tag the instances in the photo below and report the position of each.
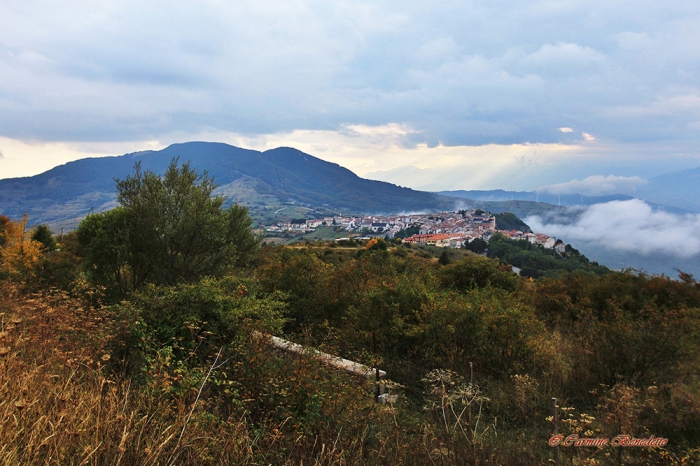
(286, 183)
(677, 192)
(271, 183)
(499, 195)
(262, 180)
(679, 189)
(265, 181)
(286, 180)
(571, 200)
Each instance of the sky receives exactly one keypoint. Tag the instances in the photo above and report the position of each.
(432, 95)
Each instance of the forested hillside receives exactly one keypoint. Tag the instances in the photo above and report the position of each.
(509, 221)
(536, 261)
(133, 342)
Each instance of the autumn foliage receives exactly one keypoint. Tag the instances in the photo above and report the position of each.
(180, 371)
(173, 375)
(19, 251)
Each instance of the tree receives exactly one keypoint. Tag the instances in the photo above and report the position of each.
(18, 252)
(103, 243)
(476, 245)
(4, 225)
(168, 230)
(42, 234)
(477, 272)
(376, 244)
(444, 258)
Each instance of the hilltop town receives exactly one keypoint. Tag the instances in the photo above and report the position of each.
(441, 229)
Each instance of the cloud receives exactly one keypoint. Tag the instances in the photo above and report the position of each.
(27, 158)
(629, 226)
(633, 40)
(665, 107)
(597, 185)
(564, 54)
(458, 73)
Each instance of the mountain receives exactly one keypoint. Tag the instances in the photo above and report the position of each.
(679, 189)
(262, 180)
(578, 200)
(569, 200)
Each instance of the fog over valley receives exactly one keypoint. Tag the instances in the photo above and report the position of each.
(630, 233)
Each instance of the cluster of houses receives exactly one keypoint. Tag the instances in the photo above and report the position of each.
(457, 240)
(441, 229)
(462, 221)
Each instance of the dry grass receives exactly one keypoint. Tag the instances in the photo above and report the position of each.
(58, 406)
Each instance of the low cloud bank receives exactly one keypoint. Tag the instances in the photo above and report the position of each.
(629, 226)
(597, 185)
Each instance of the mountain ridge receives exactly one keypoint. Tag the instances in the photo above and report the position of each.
(563, 200)
(72, 190)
